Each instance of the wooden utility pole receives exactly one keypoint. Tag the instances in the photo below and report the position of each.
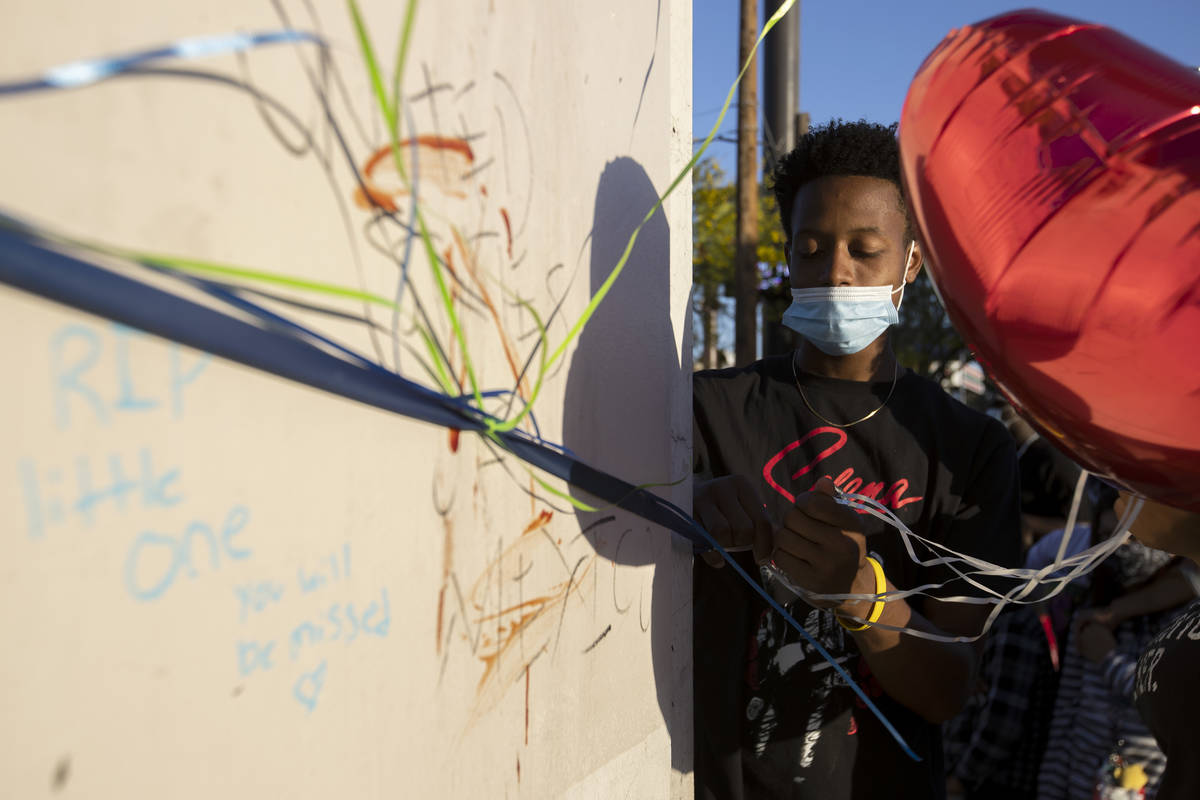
(781, 84)
(781, 129)
(745, 264)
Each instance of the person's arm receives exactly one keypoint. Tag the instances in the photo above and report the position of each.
(821, 549)
(730, 509)
(1171, 587)
(727, 506)
(932, 678)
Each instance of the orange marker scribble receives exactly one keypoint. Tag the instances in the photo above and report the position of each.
(441, 161)
(447, 563)
(537, 601)
(540, 521)
(519, 602)
(507, 230)
(509, 354)
(508, 634)
(448, 258)
(441, 610)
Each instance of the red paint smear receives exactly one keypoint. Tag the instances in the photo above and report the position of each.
(1051, 639)
(540, 521)
(454, 433)
(483, 190)
(507, 230)
(526, 714)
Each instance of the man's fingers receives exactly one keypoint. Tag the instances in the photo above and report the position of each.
(718, 527)
(826, 486)
(827, 509)
(801, 544)
(761, 530)
(729, 526)
(732, 511)
(711, 517)
(764, 540)
(802, 574)
(798, 570)
(750, 499)
(799, 525)
(741, 527)
(762, 527)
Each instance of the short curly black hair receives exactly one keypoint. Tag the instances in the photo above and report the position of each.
(838, 148)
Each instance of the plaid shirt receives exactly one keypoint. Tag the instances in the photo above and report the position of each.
(998, 738)
(1094, 717)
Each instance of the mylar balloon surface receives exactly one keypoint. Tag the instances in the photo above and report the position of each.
(1053, 167)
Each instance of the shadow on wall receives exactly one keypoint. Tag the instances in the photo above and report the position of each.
(623, 375)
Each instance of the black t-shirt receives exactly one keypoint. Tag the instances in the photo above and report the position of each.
(1168, 698)
(772, 718)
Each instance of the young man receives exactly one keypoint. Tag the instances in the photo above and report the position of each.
(772, 440)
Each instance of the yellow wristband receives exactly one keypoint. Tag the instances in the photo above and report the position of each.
(877, 608)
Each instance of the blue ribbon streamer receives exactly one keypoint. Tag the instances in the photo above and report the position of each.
(234, 298)
(34, 266)
(93, 70)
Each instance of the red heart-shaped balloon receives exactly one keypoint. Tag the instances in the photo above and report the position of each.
(1053, 167)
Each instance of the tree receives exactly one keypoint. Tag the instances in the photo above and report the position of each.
(774, 289)
(713, 227)
(745, 269)
(925, 341)
(713, 216)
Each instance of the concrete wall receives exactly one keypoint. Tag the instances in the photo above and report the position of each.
(217, 583)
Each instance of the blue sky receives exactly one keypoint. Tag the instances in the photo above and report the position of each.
(857, 58)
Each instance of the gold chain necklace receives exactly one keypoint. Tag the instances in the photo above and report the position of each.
(796, 377)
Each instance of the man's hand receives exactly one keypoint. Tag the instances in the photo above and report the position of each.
(1096, 642)
(731, 510)
(821, 549)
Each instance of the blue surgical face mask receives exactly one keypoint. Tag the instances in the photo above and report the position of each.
(841, 320)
